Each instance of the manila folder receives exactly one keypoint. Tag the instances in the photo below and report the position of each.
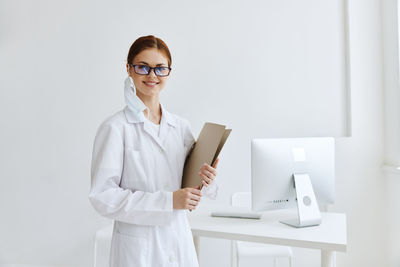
(206, 149)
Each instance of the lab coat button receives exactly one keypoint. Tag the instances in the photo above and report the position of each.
(171, 259)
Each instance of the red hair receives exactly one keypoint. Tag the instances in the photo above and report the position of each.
(146, 42)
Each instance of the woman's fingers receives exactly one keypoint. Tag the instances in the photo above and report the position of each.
(208, 179)
(215, 163)
(186, 198)
(205, 180)
(194, 191)
(195, 197)
(193, 203)
(208, 168)
(210, 174)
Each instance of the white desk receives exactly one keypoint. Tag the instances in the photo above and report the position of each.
(330, 236)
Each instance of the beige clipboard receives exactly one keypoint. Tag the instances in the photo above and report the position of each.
(206, 150)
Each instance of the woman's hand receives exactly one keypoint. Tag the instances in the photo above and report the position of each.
(208, 173)
(186, 198)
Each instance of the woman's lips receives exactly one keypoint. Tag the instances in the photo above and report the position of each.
(151, 84)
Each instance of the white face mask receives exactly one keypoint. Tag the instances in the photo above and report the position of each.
(132, 84)
(133, 102)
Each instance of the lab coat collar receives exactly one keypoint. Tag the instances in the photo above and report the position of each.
(167, 120)
(167, 116)
(135, 116)
(135, 106)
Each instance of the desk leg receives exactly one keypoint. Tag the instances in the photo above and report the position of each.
(196, 240)
(233, 254)
(328, 258)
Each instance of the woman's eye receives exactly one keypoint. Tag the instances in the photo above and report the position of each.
(143, 67)
(162, 70)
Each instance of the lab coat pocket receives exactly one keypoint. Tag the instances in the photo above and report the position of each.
(131, 250)
(134, 173)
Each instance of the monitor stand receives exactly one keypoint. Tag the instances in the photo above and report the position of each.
(307, 206)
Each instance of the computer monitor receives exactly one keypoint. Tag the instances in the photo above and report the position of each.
(286, 169)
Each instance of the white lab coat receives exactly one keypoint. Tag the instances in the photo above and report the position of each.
(134, 174)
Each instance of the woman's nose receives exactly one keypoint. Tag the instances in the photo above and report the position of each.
(152, 73)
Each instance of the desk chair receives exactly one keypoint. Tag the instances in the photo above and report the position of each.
(102, 246)
(251, 251)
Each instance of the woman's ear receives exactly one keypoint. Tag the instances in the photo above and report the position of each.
(127, 68)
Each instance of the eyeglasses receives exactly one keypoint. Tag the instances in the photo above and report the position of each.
(145, 70)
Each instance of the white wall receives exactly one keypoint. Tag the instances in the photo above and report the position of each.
(391, 82)
(392, 127)
(64, 66)
(360, 191)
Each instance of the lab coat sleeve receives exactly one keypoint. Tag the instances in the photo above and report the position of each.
(114, 202)
(210, 191)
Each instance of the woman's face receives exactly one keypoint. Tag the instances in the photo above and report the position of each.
(149, 85)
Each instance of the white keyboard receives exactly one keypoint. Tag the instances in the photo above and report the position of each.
(237, 214)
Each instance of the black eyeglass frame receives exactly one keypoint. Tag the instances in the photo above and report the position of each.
(151, 68)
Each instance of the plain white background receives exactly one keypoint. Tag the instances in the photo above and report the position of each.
(264, 68)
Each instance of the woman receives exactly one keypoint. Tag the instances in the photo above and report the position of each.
(137, 166)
